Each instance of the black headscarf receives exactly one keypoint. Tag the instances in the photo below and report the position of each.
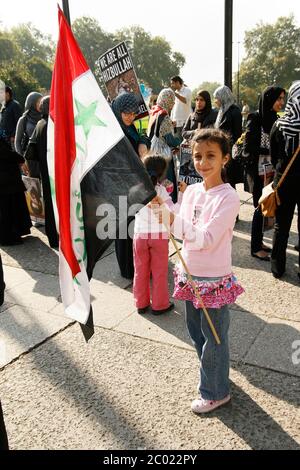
(201, 115)
(289, 124)
(267, 114)
(44, 106)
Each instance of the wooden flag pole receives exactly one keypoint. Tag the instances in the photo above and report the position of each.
(195, 290)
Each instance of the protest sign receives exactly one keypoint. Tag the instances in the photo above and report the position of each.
(119, 76)
(187, 172)
(34, 199)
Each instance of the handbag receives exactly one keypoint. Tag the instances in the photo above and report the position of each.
(269, 200)
(158, 146)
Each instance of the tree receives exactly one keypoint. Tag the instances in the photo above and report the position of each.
(155, 62)
(208, 86)
(41, 71)
(32, 42)
(272, 57)
(92, 39)
(26, 60)
(17, 75)
(8, 49)
(153, 58)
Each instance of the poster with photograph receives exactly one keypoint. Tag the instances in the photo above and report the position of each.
(34, 199)
(187, 172)
(119, 76)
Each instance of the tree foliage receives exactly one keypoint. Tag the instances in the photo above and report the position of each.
(92, 39)
(272, 57)
(27, 55)
(32, 42)
(208, 86)
(154, 60)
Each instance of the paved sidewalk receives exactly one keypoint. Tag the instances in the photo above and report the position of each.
(131, 386)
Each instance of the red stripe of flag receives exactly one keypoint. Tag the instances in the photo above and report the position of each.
(69, 64)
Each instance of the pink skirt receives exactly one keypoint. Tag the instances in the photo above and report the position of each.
(214, 293)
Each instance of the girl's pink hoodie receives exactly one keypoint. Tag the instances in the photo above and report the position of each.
(205, 223)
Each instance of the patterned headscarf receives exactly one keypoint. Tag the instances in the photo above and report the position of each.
(289, 124)
(224, 94)
(165, 101)
(125, 103)
(268, 97)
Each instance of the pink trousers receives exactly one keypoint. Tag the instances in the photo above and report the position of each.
(150, 259)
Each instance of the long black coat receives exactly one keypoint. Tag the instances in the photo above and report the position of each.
(232, 123)
(37, 152)
(10, 177)
(281, 156)
(251, 150)
(14, 215)
(192, 123)
(3, 435)
(10, 115)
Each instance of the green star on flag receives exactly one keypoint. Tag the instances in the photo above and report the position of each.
(87, 118)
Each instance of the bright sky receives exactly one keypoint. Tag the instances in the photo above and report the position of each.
(194, 27)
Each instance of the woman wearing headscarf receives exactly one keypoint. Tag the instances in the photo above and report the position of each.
(285, 139)
(257, 144)
(203, 116)
(14, 215)
(161, 124)
(26, 126)
(125, 108)
(37, 152)
(229, 120)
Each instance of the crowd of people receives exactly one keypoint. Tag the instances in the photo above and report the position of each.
(203, 215)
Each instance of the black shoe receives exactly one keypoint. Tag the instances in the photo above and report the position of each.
(261, 258)
(266, 249)
(165, 310)
(141, 311)
(277, 275)
(15, 241)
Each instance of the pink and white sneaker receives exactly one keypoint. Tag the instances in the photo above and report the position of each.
(205, 406)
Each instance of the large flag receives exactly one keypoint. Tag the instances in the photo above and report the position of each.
(91, 164)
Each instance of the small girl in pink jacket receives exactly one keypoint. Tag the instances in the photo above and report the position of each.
(205, 224)
(151, 246)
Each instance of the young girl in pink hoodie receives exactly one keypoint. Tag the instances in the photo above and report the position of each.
(151, 246)
(205, 224)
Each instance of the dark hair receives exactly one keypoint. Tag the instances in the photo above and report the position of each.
(156, 167)
(213, 135)
(176, 78)
(221, 138)
(8, 90)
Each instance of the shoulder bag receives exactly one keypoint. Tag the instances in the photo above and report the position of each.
(270, 200)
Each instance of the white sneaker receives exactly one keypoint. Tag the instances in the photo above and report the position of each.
(205, 406)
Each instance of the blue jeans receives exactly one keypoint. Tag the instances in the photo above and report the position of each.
(214, 358)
